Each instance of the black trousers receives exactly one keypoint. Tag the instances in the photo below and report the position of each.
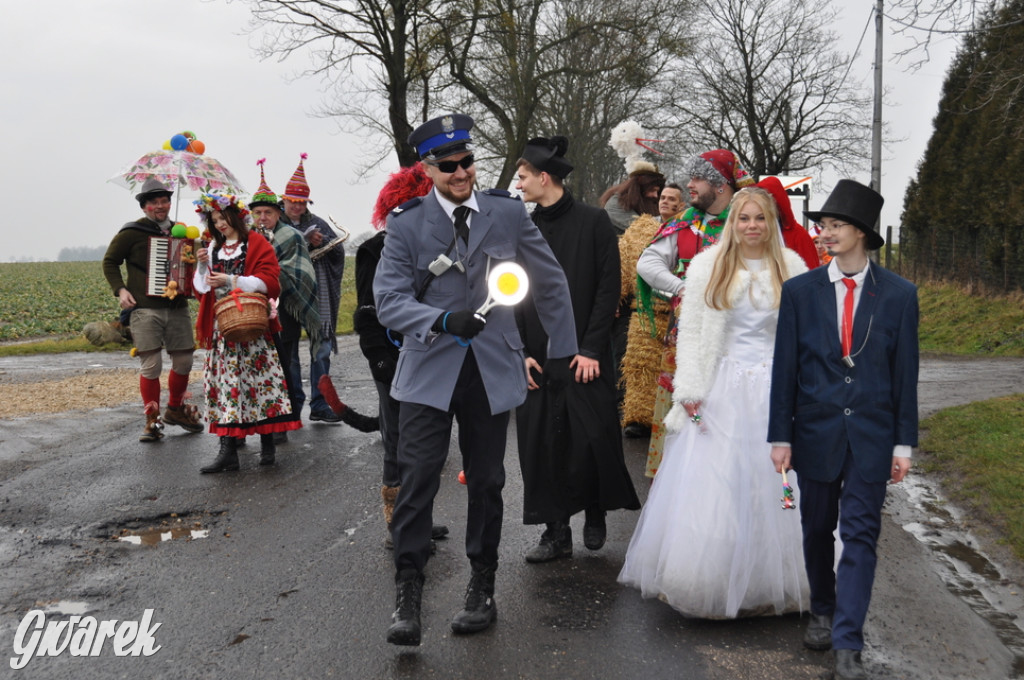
(424, 436)
(387, 413)
(287, 342)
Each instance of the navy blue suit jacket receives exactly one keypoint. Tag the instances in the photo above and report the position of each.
(821, 406)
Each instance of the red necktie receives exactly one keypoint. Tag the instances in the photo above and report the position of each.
(846, 335)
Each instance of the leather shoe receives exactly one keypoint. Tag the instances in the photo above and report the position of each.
(849, 665)
(325, 417)
(636, 431)
(480, 610)
(594, 530)
(555, 542)
(818, 635)
(405, 626)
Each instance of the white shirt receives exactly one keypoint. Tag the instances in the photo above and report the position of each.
(449, 207)
(836, 277)
(248, 284)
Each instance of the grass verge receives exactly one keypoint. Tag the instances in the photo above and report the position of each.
(37, 318)
(959, 320)
(977, 451)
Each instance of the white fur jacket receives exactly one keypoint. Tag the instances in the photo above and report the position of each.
(701, 332)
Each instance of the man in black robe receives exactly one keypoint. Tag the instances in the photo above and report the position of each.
(570, 447)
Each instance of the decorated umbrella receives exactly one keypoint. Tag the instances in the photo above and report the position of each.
(180, 164)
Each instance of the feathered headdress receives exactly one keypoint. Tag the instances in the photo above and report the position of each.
(628, 139)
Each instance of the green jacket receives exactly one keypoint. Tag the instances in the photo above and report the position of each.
(130, 247)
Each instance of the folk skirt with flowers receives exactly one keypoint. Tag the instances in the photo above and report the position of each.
(245, 389)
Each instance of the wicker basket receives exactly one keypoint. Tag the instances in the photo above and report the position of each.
(242, 317)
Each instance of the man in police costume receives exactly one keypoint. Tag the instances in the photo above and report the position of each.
(431, 277)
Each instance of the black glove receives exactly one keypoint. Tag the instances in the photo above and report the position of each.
(382, 366)
(557, 372)
(364, 319)
(464, 324)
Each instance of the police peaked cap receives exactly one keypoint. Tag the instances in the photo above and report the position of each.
(443, 136)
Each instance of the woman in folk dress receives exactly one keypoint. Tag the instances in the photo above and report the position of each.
(243, 381)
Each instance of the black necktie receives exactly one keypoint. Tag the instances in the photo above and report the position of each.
(461, 227)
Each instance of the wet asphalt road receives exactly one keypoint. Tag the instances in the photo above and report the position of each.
(293, 581)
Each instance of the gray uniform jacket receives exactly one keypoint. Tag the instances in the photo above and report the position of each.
(429, 363)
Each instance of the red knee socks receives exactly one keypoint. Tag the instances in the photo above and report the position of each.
(150, 390)
(176, 386)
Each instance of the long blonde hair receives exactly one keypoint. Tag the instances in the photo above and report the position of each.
(729, 260)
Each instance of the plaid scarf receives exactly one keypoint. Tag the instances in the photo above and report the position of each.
(329, 270)
(298, 281)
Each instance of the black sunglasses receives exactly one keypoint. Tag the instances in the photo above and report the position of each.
(448, 167)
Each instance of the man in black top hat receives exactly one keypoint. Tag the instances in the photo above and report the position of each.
(454, 363)
(157, 321)
(843, 412)
(570, 447)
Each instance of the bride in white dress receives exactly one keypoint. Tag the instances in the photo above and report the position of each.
(713, 540)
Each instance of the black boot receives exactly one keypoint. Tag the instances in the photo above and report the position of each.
(555, 542)
(480, 611)
(227, 457)
(594, 529)
(267, 449)
(405, 627)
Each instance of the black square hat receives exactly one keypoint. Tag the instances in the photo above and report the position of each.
(548, 155)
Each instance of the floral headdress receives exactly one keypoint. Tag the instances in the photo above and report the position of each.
(208, 203)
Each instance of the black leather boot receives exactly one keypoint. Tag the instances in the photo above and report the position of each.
(480, 610)
(405, 627)
(227, 457)
(555, 542)
(267, 449)
(594, 529)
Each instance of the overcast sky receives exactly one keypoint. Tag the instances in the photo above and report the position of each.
(88, 86)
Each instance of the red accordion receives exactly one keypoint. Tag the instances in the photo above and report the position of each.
(170, 259)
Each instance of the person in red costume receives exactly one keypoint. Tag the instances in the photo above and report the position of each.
(794, 236)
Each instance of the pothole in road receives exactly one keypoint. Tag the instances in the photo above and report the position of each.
(156, 530)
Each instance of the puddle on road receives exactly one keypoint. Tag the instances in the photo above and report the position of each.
(156, 530)
(965, 570)
(155, 536)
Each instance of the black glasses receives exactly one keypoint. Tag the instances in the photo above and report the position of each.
(448, 167)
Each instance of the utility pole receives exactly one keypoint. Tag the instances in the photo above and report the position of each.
(876, 125)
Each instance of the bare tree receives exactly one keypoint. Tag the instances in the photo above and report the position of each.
(373, 51)
(515, 59)
(925, 21)
(585, 106)
(772, 87)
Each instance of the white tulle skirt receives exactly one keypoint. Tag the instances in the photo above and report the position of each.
(713, 540)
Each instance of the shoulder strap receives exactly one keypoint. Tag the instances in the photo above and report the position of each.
(431, 275)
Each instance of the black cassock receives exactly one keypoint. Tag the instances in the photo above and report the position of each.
(570, 445)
